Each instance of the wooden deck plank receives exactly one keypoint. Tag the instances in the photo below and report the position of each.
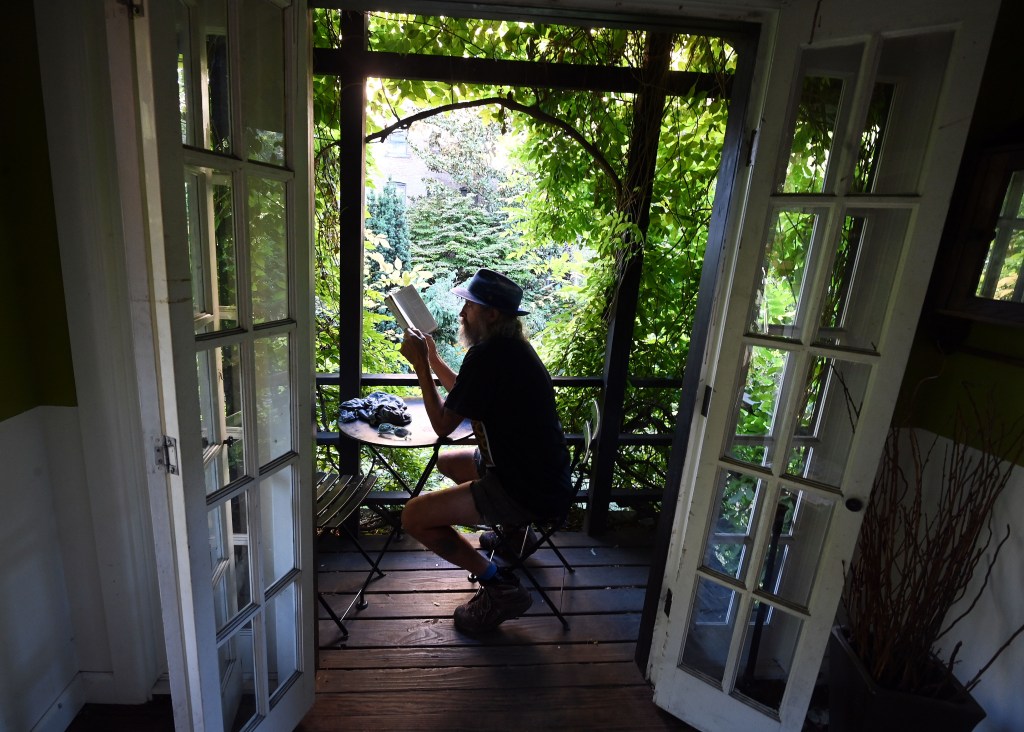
(448, 579)
(443, 604)
(565, 707)
(421, 559)
(441, 657)
(621, 538)
(405, 666)
(535, 630)
(538, 675)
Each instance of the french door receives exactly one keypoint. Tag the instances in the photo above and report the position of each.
(230, 103)
(860, 132)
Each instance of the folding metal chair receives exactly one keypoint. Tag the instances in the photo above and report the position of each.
(337, 496)
(543, 530)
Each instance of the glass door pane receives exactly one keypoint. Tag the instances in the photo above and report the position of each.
(283, 634)
(827, 283)
(268, 250)
(204, 74)
(263, 97)
(243, 211)
(769, 644)
(221, 407)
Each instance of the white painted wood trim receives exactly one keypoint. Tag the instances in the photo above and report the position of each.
(152, 294)
(77, 94)
(947, 131)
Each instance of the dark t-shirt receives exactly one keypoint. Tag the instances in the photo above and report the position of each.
(505, 390)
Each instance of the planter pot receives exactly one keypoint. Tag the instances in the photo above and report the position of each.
(858, 704)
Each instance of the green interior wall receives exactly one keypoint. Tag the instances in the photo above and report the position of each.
(987, 368)
(984, 360)
(35, 368)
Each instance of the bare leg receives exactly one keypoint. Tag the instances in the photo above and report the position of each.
(430, 517)
(458, 465)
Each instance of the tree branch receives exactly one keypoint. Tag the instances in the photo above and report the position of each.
(977, 677)
(981, 590)
(532, 110)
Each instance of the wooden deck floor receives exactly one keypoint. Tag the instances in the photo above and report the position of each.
(404, 666)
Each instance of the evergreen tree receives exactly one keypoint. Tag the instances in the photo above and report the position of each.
(453, 234)
(388, 220)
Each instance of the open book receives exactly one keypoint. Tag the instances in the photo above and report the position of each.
(409, 310)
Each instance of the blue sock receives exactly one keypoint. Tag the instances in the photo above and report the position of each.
(487, 574)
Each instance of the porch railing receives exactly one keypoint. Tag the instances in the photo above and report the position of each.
(646, 499)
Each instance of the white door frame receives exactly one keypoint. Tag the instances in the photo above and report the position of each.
(101, 225)
(109, 174)
(800, 25)
(184, 563)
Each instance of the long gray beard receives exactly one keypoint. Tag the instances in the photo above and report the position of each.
(467, 340)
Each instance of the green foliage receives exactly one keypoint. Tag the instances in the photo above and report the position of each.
(463, 147)
(812, 135)
(454, 234)
(554, 223)
(446, 306)
(267, 254)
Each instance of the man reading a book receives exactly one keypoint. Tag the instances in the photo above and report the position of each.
(520, 470)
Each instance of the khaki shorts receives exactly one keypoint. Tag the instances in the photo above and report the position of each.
(494, 505)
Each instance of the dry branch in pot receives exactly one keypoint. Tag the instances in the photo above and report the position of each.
(924, 535)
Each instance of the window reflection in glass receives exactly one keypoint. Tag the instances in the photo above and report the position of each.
(201, 310)
(814, 129)
(277, 516)
(224, 244)
(268, 249)
(897, 164)
(220, 413)
(229, 558)
(710, 629)
(218, 94)
(776, 307)
(768, 649)
(1001, 277)
(727, 547)
(833, 396)
(238, 679)
(203, 75)
(756, 403)
(273, 398)
(840, 281)
(860, 278)
(263, 81)
(795, 545)
(871, 139)
(282, 620)
(209, 206)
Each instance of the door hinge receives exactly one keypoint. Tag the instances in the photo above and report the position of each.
(706, 404)
(167, 454)
(668, 602)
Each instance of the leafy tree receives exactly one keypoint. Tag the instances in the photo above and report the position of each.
(462, 148)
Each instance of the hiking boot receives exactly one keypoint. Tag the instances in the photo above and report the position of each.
(495, 602)
(510, 549)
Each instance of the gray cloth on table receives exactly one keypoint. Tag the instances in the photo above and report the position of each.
(375, 408)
